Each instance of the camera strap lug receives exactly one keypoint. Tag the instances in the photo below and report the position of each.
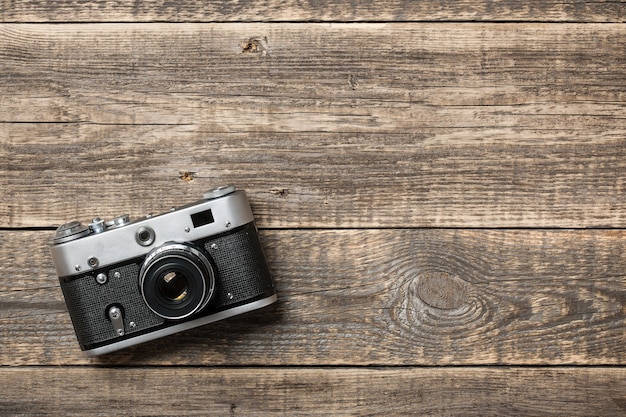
(117, 320)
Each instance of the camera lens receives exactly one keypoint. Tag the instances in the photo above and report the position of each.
(173, 286)
(176, 281)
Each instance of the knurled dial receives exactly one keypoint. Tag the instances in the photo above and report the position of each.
(70, 231)
(219, 192)
(118, 221)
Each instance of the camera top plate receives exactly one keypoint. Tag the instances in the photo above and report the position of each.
(76, 249)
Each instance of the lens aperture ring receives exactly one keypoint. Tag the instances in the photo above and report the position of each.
(195, 281)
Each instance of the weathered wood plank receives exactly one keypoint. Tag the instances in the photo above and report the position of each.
(448, 177)
(312, 391)
(326, 125)
(384, 78)
(317, 10)
(363, 297)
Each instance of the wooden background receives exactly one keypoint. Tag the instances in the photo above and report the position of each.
(440, 189)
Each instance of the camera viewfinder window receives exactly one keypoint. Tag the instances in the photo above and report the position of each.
(202, 218)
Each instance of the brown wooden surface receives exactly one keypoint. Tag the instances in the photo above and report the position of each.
(433, 197)
(399, 125)
(342, 392)
(312, 10)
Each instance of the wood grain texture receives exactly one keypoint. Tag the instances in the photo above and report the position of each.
(311, 10)
(55, 173)
(370, 297)
(366, 78)
(313, 391)
(364, 125)
(355, 138)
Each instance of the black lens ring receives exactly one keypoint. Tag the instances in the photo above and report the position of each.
(184, 259)
(161, 303)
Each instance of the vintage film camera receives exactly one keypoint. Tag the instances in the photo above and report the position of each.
(129, 282)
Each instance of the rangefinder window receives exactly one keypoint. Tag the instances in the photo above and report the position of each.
(202, 219)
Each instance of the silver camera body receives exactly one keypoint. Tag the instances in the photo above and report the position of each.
(127, 282)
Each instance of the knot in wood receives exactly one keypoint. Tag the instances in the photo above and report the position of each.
(282, 192)
(255, 45)
(442, 290)
(187, 175)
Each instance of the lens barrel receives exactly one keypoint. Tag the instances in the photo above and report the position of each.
(176, 281)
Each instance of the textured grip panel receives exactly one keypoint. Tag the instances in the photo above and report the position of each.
(240, 264)
(87, 302)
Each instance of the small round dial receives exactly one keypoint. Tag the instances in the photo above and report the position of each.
(118, 222)
(219, 192)
(97, 225)
(70, 231)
